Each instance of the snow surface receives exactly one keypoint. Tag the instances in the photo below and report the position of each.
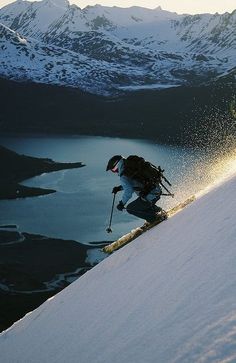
(167, 297)
(150, 86)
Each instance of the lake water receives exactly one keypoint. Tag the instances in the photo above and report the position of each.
(80, 209)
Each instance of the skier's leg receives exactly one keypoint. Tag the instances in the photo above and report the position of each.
(157, 209)
(160, 213)
(143, 209)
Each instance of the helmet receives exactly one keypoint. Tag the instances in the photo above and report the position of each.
(113, 161)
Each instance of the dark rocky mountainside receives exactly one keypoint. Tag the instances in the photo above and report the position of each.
(179, 115)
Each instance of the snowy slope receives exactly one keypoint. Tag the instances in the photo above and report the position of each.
(29, 59)
(33, 17)
(147, 47)
(23, 58)
(168, 297)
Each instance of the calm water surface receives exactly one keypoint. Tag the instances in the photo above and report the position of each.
(80, 209)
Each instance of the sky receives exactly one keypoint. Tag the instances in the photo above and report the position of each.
(180, 6)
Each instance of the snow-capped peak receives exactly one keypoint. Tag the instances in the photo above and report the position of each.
(63, 4)
(145, 47)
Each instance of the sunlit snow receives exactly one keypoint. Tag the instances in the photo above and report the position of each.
(169, 296)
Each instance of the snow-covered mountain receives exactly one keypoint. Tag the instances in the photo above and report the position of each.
(168, 297)
(126, 47)
(30, 59)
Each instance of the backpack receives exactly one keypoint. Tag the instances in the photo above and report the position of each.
(136, 167)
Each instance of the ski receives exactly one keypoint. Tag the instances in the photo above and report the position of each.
(129, 237)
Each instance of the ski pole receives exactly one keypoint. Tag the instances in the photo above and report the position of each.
(109, 230)
(163, 177)
(169, 193)
(166, 180)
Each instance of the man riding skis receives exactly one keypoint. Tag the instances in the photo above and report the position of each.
(144, 206)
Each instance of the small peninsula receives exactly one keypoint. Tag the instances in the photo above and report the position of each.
(17, 168)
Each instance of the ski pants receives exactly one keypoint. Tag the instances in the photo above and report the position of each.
(144, 209)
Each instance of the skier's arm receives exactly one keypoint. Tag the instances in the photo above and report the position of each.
(117, 189)
(127, 188)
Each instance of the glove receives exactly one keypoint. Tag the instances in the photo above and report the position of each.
(120, 206)
(117, 189)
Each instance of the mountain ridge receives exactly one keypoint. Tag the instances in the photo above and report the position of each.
(122, 47)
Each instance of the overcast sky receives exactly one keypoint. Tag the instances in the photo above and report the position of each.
(180, 6)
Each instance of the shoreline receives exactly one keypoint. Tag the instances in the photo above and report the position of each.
(18, 168)
(34, 268)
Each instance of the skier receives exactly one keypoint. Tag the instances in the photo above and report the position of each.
(144, 206)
